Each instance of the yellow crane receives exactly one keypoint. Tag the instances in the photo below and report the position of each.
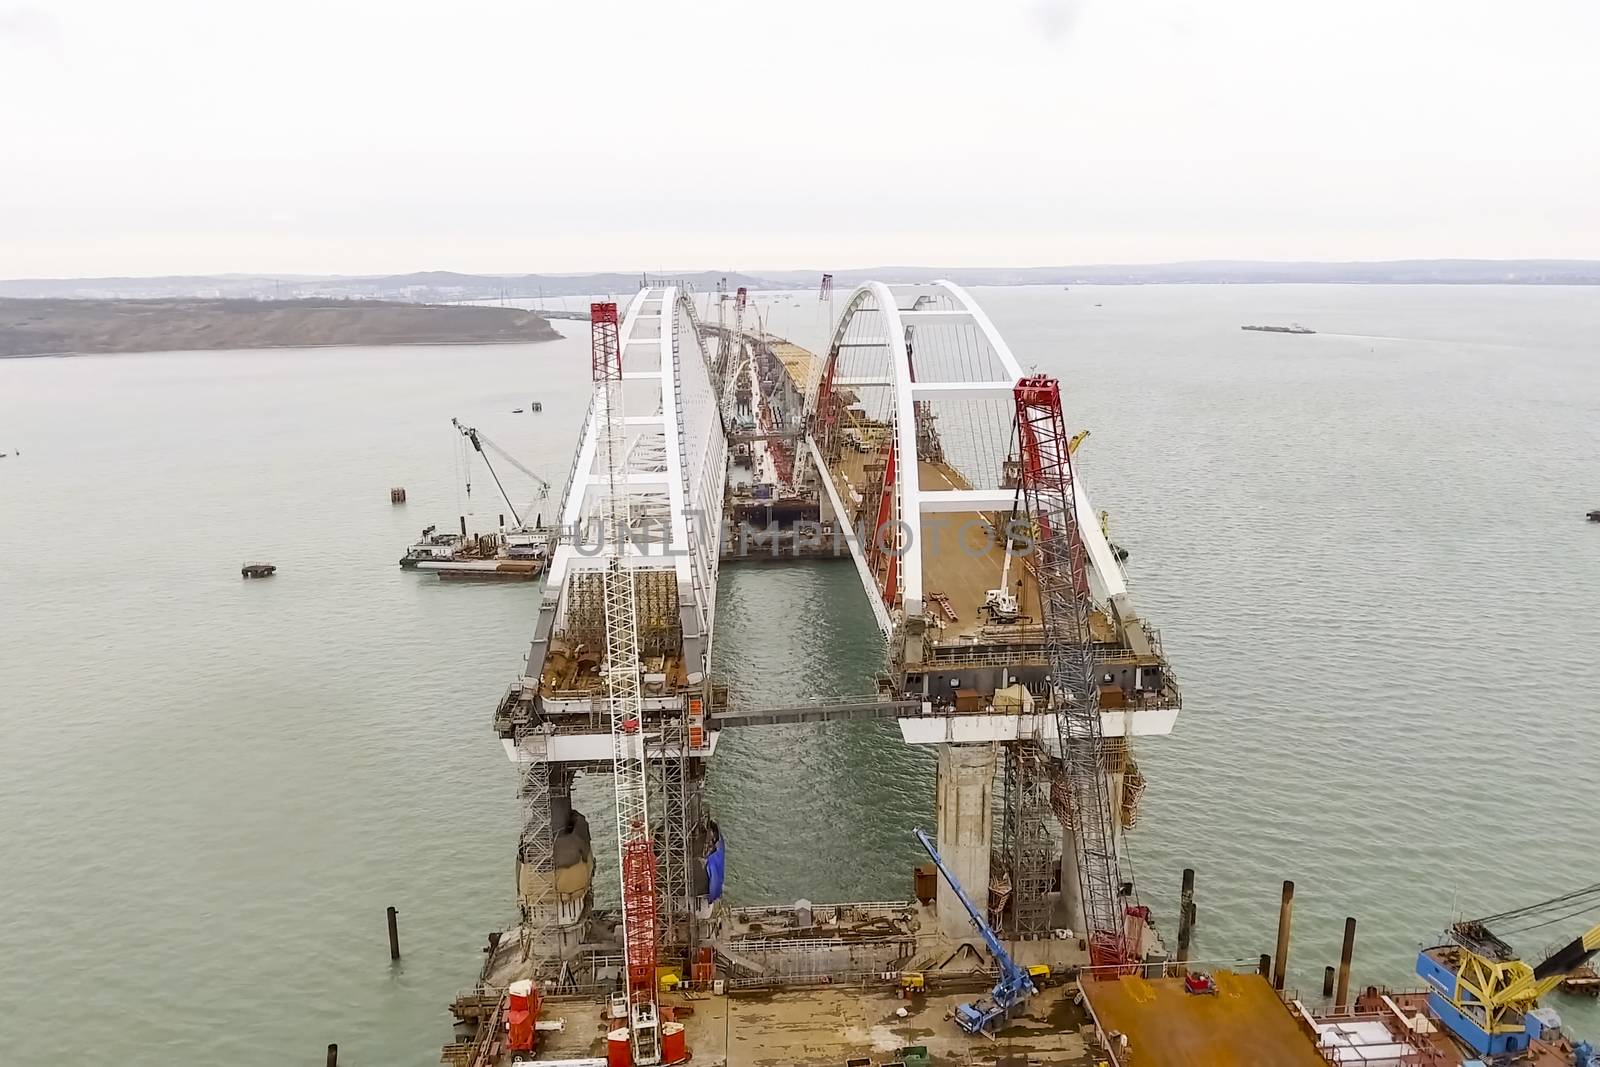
(1485, 993)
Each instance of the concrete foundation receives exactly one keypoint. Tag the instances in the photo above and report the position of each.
(965, 831)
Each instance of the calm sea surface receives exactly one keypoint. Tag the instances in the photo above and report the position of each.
(1365, 550)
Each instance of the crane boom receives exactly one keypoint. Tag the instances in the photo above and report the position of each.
(1566, 959)
(479, 443)
(636, 850)
(1080, 793)
(1014, 984)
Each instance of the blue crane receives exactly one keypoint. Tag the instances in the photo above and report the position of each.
(1014, 985)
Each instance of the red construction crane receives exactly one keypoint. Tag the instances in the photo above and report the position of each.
(636, 850)
(1080, 793)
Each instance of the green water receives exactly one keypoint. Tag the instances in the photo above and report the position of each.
(1365, 550)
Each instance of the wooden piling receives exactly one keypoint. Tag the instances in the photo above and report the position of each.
(463, 526)
(1264, 968)
(394, 934)
(333, 1056)
(1346, 954)
(1327, 981)
(1185, 921)
(1280, 962)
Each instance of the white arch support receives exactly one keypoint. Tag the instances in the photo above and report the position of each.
(907, 488)
(676, 453)
(917, 390)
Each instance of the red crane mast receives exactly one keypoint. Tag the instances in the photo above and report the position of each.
(1080, 791)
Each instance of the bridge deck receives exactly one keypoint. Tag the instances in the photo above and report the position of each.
(959, 560)
(962, 561)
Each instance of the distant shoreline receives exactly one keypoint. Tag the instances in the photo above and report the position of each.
(255, 348)
(456, 288)
(67, 328)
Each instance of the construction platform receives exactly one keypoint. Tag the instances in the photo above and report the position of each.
(797, 985)
(832, 1027)
(1242, 1024)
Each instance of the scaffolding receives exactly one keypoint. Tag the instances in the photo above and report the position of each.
(660, 627)
(671, 773)
(1027, 843)
(536, 854)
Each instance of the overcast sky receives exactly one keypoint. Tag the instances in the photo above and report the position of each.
(157, 136)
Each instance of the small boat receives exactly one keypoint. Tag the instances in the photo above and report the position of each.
(1594, 516)
(1294, 328)
(516, 411)
(258, 570)
(536, 406)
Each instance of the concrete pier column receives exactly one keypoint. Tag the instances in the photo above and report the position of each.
(964, 814)
(1070, 914)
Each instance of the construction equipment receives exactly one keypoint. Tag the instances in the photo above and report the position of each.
(1014, 984)
(479, 442)
(1000, 603)
(1080, 791)
(624, 691)
(1485, 994)
(1199, 983)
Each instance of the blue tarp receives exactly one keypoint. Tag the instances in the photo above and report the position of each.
(714, 867)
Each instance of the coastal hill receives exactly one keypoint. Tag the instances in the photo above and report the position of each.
(50, 327)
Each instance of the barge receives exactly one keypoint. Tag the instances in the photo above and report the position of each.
(506, 556)
(1294, 328)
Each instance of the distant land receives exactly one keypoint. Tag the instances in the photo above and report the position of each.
(87, 327)
(449, 286)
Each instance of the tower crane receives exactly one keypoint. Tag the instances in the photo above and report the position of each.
(1080, 792)
(636, 850)
(1485, 993)
(479, 443)
(1014, 985)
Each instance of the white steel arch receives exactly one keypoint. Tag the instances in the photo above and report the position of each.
(675, 458)
(897, 356)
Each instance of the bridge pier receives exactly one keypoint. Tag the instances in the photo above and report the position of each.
(964, 818)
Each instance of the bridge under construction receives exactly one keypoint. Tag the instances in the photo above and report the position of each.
(917, 446)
